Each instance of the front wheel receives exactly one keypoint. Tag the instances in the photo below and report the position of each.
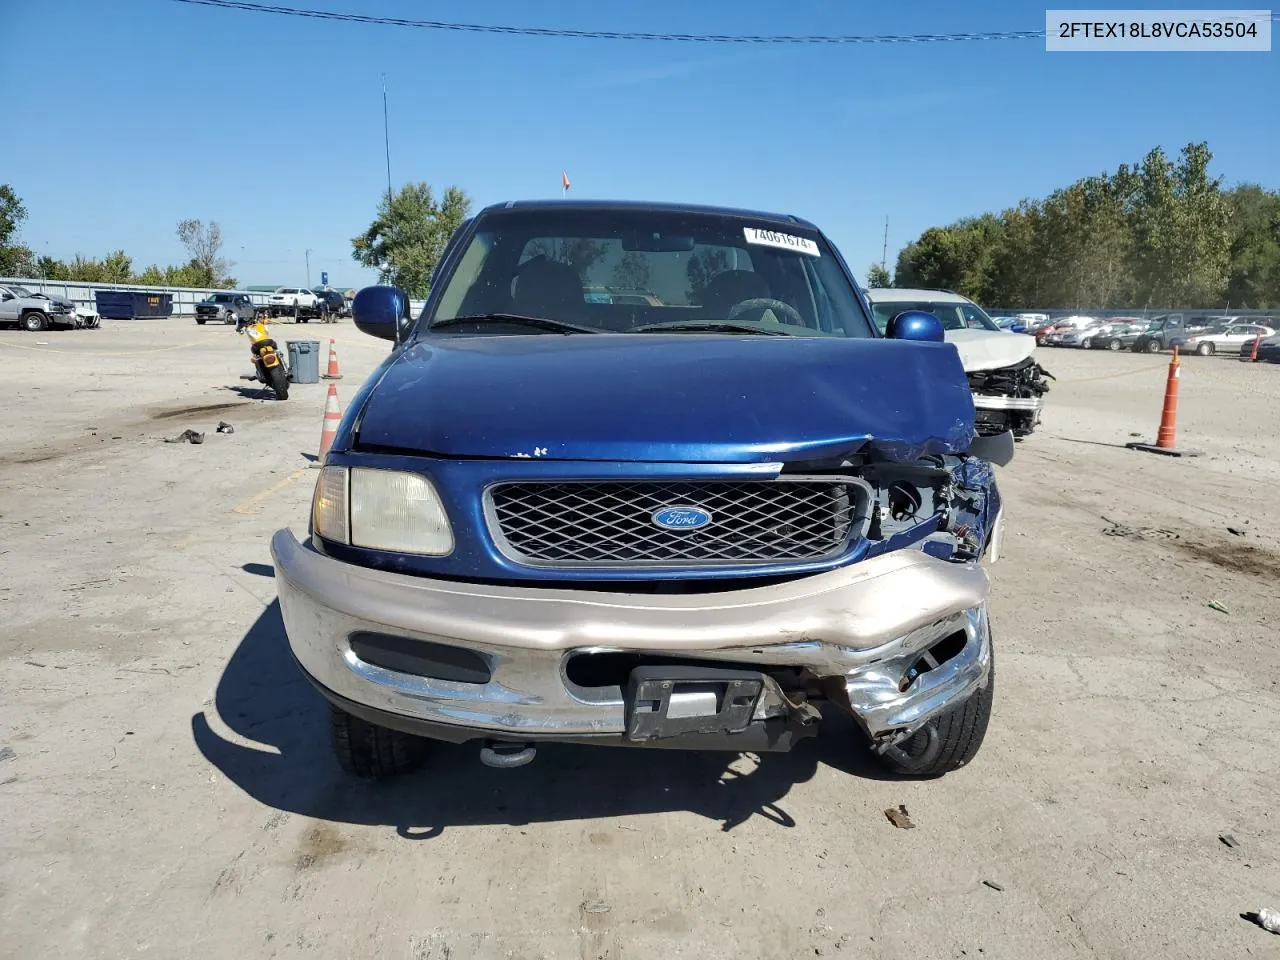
(1152, 346)
(35, 321)
(1113, 345)
(1204, 349)
(365, 750)
(947, 742)
(278, 381)
(1087, 344)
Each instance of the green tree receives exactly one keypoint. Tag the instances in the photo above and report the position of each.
(14, 259)
(409, 234)
(878, 276)
(204, 243)
(1253, 279)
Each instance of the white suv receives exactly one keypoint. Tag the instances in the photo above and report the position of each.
(1008, 385)
(290, 299)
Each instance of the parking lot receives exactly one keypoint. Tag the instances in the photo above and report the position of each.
(167, 788)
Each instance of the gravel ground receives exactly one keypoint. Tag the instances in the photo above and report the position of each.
(166, 788)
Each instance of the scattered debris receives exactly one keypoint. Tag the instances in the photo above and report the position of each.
(1229, 840)
(993, 885)
(1238, 533)
(595, 906)
(6, 753)
(224, 427)
(1215, 605)
(900, 818)
(1135, 434)
(186, 436)
(1266, 918)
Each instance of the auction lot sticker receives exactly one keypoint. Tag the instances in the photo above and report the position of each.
(1156, 31)
(784, 241)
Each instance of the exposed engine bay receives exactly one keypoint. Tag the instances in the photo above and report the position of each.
(1009, 398)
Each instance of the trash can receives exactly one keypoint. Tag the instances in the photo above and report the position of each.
(304, 360)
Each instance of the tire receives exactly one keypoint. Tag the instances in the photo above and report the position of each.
(231, 317)
(1151, 346)
(1087, 344)
(34, 322)
(947, 742)
(200, 321)
(370, 752)
(1113, 345)
(1204, 349)
(278, 381)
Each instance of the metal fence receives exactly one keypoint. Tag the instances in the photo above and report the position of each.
(83, 294)
(184, 298)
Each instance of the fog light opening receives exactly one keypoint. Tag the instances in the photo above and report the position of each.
(945, 649)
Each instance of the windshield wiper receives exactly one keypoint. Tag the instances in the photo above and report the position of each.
(707, 326)
(542, 323)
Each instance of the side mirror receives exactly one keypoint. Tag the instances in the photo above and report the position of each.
(915, 325)
(379, 311)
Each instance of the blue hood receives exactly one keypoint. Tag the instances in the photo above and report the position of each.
(678, 398)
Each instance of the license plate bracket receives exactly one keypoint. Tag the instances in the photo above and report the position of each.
(673, 701)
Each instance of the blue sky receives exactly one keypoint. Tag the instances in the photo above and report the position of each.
(154, 111)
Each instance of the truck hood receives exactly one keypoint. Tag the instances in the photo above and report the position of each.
(989, 350)
(673, 398)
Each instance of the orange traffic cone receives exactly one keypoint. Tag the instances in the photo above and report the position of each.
(332, 417)
(333, 373)
(1167, 433)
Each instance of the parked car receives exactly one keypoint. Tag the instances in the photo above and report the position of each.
(289, 300)
(1118, 336)
(34, 311)
(224, 308)
(1229, 339)
(1006, 323)
(1268, 349)
(678, 525)
(332, 302)
(1088, 336)
(1070, 331)
(1008, 384)
(1166, 328)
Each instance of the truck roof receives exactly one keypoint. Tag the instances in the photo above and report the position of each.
(662, 207)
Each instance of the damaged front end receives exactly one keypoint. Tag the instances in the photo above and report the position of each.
(1009, 398)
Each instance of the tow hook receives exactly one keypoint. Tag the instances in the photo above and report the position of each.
(504, 755)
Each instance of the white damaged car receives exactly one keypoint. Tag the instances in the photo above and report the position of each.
(1008, 384)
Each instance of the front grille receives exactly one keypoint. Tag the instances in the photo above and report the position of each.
(611, 523)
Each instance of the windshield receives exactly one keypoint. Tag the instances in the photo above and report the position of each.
(618, 271)
(953, 316)
(21, 292)
(221, 298)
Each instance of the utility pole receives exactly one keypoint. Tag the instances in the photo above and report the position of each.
(308, 269)
(884, 251)
(386, 136)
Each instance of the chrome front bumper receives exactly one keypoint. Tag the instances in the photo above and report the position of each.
(1026, 404)
(867, 623)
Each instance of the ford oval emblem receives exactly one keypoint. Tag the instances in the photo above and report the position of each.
(681, 518)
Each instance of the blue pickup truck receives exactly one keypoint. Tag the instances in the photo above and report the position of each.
(701, 519)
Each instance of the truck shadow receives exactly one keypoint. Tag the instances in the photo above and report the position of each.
(280, 757)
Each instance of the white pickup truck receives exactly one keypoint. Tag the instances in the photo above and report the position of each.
(293, 301)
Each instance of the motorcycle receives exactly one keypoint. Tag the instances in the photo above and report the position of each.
(268, 365)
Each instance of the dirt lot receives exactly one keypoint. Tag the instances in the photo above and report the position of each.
(167, 789)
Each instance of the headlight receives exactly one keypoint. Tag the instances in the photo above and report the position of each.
(381, 510)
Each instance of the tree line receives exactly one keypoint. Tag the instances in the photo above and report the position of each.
(203, 242)
(1162, 233)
